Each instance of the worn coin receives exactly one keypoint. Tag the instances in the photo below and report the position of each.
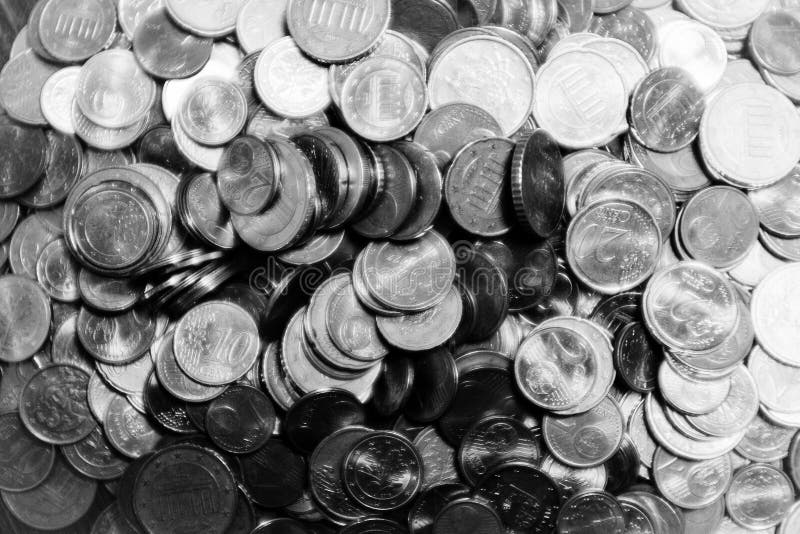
(23, 303)
(455, 515)
(128, 431)
(116, 339)
(94, 457)
(27, 461)
(691, 484)
(240, 420)
(759, 496)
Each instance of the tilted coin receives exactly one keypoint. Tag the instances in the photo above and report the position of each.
(623, 468)
(64, 165)
(493, 441)
(691, 484)
(602, 509)
(21, 82)
(171, 476)
(116, 339)
(21, 169)
(706, 62)
(736, 411)
(240, 420)
(58, 502)
(688, 395)
(637, 357)
(455, 515)
(629, 24)
(93, 457)
(111, 520)
(167, 51)
(394, 387)
(425, 330)
(587, 439)
(637, 520)
(589, 87)
(766, 442)
(482, 281)
(470, 71)
(23, 303)
(665, 516)
(168, 411)
(107, 294)
(128, 431)
(57, 272)
(27, 461)
(249, 175)
(274, 475)
(319, 414)
(759, 496)
(435, 385)
(774, 205)
(216, 343)
(58, 92)
(773, 312)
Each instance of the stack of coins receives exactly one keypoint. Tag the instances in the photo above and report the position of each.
(401, 266)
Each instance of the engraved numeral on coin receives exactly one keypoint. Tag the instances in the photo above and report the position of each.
(229, 346)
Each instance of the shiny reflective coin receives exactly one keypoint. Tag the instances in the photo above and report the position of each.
(577, 81)
(170, 477)
(425, 330)
(214, 111)
(174, 380)
(736, 411)
(58, 92)
(374, 467)
(587, 439)
(352, 328)
(113, 91)
(475, 187)
(99, 396)
(57, 272)
(240, 420)
(774, 205)
(128, 431)
(664, 516)
(60, 501)
(772, 311)
(166, 51)
(166, 410)
(460, 514)
(21, 82)
(132, 12)
(690, 307)
(216, 343)
(74, 30)
(691, 484)
(438, 458)
(688, 395)
(759, 496)
(116, 339)
(61, 390)
(107, 294)
(600, 508)
(326, 476)
(572, 480)
(637, 520)
(705, 63)
(274, 475)
(666, 108)
(681, 170)
(613, 246)
(765, 442)
(319, 414)
(525, 497)
(27, 461)
(23, 303)
(107, 138)
(470, 71)
(260, 22)
(725, 124)
(249, 175)
(329, 33)
(775, 41)
(384, 98)
(537, 183)
(281, 69)
(775, 381)
(21, 169)
(493, 441)
(448, 129)
(216, 19)
(94, 457)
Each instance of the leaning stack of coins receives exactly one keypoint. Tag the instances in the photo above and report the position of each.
(401, 266)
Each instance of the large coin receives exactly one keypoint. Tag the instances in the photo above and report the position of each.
(25, 318)
(450, 128)
(165, 50)
(240, 420)
(691, 484)
(759, 496)
(216, 343)
(74, 30)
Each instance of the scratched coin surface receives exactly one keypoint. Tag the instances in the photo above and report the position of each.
(54, 407)
(333, 31)
(613, 246)
(216, 343)
(22, 302)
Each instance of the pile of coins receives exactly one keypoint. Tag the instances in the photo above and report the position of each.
(401, 266)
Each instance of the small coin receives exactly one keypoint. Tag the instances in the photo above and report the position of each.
(128, 431)
(587, 439)
(637, 357)
(759, 496)
(240, 420)
(23, 303)
(493, 441)
(216, 19)
(765, 442)
(216, 343)
(94, 457)
(214, 111)
(503, 86)
(58, 93)
(57, 389)
(58, 502)
(374, 466)
(666, 108)
(116, 339)
(170, 477)
(27, 461)
(475, 186)
(689, 484)
(775, 41)
(426, 330)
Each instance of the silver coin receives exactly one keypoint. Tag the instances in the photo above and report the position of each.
(214, 112)
(691, 484)
(573, 480)
(260, 22)
(22, 302)
(128, 431)
(58, 93)
(691, 396)
(765, 442)
(704, 60)
(216, 18)
(776, 205)
(588, 439)
(773, 311)
(21, 82)
(74, 30)
(759, 496)
(116, 339)
(736, 411)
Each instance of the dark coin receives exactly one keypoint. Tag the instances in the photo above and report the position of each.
(274, 475)
(383, 471)
(374, 525)
(429, 503)
(637, 357)
(26, 461)
(617, 311)
(21, 168)
(493, 441)
(426, 22)
(476, 187)
(319, 414)
(393, 205)
(628, 24)
(429, 190)
(166, 410)
(665, 517)
(623, 467)
(525, 497)
(173, 478)
(395, 385)
(435, 385)
(64, 165)
(240, 420)
(157, 147)
(591, 512)
(54, 406)
(325, 474)
(468, 516)
(481, 276)
(111, 521)
(537, 183)
(94, 457)
(248, 175)
(167, 51)
(58, 502)
(330, 171)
